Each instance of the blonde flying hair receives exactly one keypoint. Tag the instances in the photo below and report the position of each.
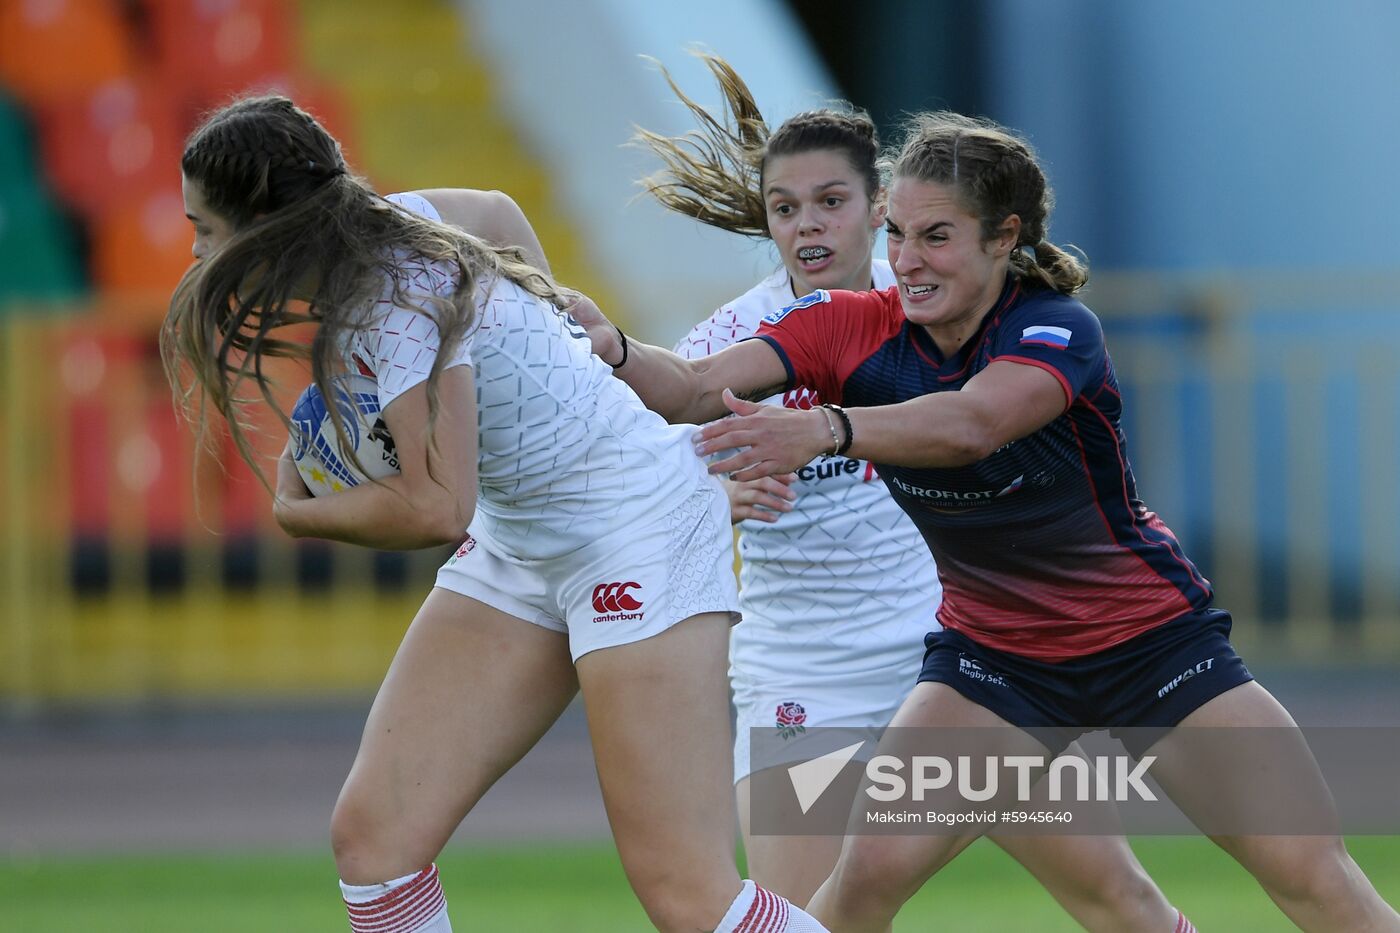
(313, 244)
(714, 174)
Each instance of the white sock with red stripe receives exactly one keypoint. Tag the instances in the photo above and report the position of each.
(758, 911)
(411, 904)
(1182, 924)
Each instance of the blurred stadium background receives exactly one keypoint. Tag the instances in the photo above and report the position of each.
(1224, 166)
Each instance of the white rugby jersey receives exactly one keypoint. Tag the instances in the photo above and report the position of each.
(844, 579)
(566, 451)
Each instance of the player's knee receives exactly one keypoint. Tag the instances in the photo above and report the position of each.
(676, 899)
(352, 833)
(1126, 896)
(875, 870)
(1308, 869)
(367, 847)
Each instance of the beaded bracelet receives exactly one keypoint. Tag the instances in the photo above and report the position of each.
(845, 423)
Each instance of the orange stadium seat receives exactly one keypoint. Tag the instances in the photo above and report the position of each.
(210, 50)
(91, 362)
(244, 501)
(53, 49)
(143, 245)
(164, 482)
(115, 142)
(89, 499)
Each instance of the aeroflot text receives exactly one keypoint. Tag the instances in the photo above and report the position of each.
(1112, 777)
(944, 494)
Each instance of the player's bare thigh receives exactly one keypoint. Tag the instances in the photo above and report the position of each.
(658, 713)
(1240, 758)
(875, 874)
(470, 690)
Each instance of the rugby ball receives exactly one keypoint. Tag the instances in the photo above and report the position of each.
(324, 464)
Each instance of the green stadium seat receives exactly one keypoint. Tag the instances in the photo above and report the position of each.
(17, 167)
(39, 257)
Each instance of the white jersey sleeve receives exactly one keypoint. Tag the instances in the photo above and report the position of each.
(738, 319)
(565, 450)
(843, 583)
(400, 342)
(415, 202)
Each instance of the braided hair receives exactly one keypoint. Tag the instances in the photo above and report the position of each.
(312, 244)
(994, 174)
(258, 155)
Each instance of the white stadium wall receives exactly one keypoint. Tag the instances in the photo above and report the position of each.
(574, 76)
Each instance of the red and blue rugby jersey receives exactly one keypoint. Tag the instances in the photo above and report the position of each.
(1044, 548)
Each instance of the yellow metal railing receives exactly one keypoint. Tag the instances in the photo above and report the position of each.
(118, 585)
(1276, 400)
(1264, 422)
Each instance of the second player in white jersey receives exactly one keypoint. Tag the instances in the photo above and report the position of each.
(838, 593)
(823, 568)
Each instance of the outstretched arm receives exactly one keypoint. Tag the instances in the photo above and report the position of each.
(680, 390)
(1003, 403)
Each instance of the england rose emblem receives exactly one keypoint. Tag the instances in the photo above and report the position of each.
(790, 719)
(467, 547)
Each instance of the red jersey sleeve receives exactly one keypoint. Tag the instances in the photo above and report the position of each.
(822, 337)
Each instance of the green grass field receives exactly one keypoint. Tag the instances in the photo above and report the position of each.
(579, 889)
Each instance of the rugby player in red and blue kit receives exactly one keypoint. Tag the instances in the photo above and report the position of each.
(1048, 559)
(1046, 550)
(985, 396)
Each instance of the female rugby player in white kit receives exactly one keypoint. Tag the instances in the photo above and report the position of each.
(598, 557)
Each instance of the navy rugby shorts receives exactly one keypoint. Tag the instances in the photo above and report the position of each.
(1150, 682)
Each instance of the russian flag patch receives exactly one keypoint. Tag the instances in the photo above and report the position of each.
(1043, 335)
(1015, 485)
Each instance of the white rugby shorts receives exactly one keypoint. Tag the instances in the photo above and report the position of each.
(775, 716)
(628, 584)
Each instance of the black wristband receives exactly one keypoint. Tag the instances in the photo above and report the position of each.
(845, 423)
(623, 337)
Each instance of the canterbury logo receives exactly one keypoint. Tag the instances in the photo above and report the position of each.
(613, 597)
